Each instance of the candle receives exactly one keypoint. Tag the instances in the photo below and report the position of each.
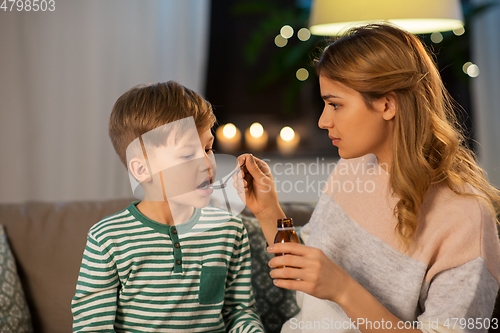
(288, 140)
(228, 138)
(256, 137)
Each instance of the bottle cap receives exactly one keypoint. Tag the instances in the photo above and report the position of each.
(285, 224)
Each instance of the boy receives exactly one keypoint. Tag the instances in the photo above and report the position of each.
(166, 263)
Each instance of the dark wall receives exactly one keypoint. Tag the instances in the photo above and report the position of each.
(231, 80)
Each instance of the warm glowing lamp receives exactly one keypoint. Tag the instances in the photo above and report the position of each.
(228, 137)
(288, 140)
(330, 18)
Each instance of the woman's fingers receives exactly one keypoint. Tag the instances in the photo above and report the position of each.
(287, 273)
(253, 167)
(288, 260)
(292, 284)
(292, 248)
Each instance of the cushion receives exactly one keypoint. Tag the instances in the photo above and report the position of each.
(274, 305)
(14, 312)
(47, 240)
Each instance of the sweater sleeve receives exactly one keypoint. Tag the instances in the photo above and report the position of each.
(95, 301)
(460, 297)
(239, 304)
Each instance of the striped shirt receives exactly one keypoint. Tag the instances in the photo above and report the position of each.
(138, 275)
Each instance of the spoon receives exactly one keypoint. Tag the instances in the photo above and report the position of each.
(224, 184)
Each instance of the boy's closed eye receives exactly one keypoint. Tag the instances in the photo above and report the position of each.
(190, 155)
(187, 156)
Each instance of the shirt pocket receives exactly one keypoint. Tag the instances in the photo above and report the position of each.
(212, 284)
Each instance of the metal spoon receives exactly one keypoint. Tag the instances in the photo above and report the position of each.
(224, 184)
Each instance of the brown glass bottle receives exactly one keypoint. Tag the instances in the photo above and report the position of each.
(286, 233)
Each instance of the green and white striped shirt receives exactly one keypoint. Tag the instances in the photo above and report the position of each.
(138, 275)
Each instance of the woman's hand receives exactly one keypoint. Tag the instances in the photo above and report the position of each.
(255, 185)
(309, 270)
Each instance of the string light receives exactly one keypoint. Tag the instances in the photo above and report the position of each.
(302, 74)
(280, 41)
(286, 31)
(473, 70)
(465, 66)
(304, 34)
(459, 31)
(436, 37)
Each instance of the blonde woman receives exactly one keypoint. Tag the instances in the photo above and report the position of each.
(404, 235)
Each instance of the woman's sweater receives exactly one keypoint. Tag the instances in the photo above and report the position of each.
(452, 270)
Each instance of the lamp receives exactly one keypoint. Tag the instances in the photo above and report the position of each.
(331, 17)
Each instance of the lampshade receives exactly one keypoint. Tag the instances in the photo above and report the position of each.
(331, 17)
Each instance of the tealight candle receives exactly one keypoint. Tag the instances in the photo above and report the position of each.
(288, 140)
(256, 137)
(228, 137)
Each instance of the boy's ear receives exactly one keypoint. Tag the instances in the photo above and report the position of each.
(139, 170)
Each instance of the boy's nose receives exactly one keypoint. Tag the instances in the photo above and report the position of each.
(210, 167)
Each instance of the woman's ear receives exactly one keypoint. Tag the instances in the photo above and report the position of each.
(139, 170)
(390, 103)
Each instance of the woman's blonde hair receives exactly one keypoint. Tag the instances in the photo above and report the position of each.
(428, 144)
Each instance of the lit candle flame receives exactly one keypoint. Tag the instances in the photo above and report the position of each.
(287, 133)
(229, 131)
(256, 130)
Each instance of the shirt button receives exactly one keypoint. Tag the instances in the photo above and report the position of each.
(174, 231)
(178, 261)
(177, 245)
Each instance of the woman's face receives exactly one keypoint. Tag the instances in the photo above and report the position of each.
(353, 127)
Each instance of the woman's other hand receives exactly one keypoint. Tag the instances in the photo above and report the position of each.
(309, 270)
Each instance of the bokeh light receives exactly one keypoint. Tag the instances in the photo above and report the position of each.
(302, 74)
(286, 31)
(304, 34)
(229, 130)
(436, 37)
(459, 31)
(473, 70)
(256, 130)
(280, 41)
(287, 133)
(465, 66)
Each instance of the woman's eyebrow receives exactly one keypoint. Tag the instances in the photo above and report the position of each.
(328, 96)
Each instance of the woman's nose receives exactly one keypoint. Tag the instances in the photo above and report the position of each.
(325, 121)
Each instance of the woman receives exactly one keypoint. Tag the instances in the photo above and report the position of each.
(414, 246)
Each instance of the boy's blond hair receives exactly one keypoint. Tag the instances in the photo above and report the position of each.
(146, 107)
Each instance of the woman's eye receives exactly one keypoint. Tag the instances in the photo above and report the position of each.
(210, 150)
(335, 106)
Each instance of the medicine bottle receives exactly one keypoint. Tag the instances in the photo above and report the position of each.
(286, 233)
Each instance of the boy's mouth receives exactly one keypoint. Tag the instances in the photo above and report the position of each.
(205, 185)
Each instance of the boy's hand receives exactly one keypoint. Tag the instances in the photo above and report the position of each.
(255, 185)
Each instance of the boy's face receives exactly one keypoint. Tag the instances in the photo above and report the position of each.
(182, 170)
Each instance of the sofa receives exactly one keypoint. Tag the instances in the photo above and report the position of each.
(41, 247)
(42, 243)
